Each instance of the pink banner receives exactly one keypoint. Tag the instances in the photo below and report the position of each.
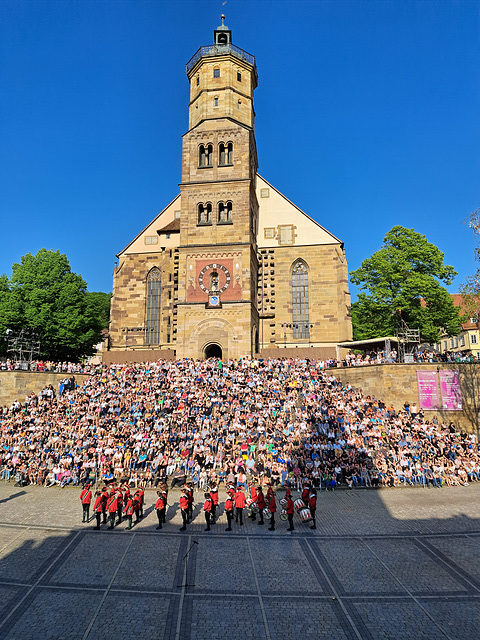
(450, 390)
(428, 398)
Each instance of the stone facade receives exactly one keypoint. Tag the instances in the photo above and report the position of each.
(231, 253)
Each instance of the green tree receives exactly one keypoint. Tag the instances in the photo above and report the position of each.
(404, 277)
(45, 295)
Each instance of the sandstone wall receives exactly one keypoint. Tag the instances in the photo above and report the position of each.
(397, 383)
(15, 385)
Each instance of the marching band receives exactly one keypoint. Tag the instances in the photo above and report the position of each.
(113, 502)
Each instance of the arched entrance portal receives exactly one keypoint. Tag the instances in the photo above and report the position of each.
(213, 351)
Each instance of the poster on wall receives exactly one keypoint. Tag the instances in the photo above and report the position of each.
(428, 397)
(450, 390)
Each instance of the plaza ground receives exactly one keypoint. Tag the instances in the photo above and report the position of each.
(390, 564)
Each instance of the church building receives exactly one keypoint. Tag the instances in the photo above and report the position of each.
(231, 267)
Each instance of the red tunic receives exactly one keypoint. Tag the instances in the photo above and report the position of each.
(128, 510)
(261, 500)
(207, 505)
(312, 502)
(98, 506)
(240, 500)
(253, 494)
(214, 497)
(159, 503)
(273, 505)
(228, 504)
(289, 506)
(183, 503)
(305, 494)
(112, 504)
(86, 496)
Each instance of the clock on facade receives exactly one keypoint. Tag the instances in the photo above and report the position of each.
(209, 278)
(214, 301)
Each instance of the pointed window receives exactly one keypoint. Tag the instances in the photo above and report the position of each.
(230, 153)
(152, 334)
(202, 156)
(221, 154)
(301, 327)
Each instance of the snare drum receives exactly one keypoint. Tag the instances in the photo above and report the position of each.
(299, 505)
(284, 515)
(283, 502)
(267, 513)
(249, 502)
(305, 515)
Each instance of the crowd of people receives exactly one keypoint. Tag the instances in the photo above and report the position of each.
(278, 421)
(46, 366)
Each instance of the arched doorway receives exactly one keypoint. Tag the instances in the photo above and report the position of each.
(213, 351)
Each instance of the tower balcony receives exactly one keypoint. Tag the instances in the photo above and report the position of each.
(211, 51)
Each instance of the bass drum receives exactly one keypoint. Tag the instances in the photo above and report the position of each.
(284, 515)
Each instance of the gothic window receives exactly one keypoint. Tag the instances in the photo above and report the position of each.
(301, 327)
(230, 153)
(209, 155)
(224, 212)
(204, 213)
(152, 334)
(221, 154)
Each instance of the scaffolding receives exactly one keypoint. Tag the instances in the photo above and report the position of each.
(24, 346)
(408, 342)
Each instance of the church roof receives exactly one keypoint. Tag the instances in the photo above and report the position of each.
(171, 226)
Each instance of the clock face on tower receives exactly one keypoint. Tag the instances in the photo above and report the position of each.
(214, 278)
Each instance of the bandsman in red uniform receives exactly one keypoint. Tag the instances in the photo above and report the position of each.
(207, 510)
(104, 505)
(112, 508)
(86, 499)
(119, 504)
(253, 496)
(184, 509)
(141, 495)
(290, 511)
(272, 505)
(214, 498)
(137, 505)
(229, 509)
(97, 508)
(128, 509)
(190, 493)
(159, 508)
(164, 491)
(240, 502)
(312, 505)
(261, 504)
(305, 493)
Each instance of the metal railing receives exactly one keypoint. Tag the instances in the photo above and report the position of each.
(219, 50)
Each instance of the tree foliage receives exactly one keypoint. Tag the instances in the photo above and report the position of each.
(404, 278)
(43, 294)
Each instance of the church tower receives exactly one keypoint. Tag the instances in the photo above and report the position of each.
(217, 256)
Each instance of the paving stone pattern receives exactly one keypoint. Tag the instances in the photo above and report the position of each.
(381, 565)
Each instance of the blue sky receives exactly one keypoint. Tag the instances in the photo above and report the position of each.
(367, 117)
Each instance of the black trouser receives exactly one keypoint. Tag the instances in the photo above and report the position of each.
(159, 516)
(229, 515)
(253, 514)
(239, 514)
(260, 513)
(184, 518)
(98, 515)
(162, 515)
(137, 515)
(119, 514)
(190, 512)
(290, 521)
(112, 516)
(208, 516)
(86, 510)
(272, 521)
(129, 518)
(313, 512)
(214, 513)
(179, 481)
(104, 514)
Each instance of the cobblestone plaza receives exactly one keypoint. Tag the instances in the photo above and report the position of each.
(388, 564)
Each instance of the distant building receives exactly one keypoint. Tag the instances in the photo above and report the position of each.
(468, 340)
(230, 267)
